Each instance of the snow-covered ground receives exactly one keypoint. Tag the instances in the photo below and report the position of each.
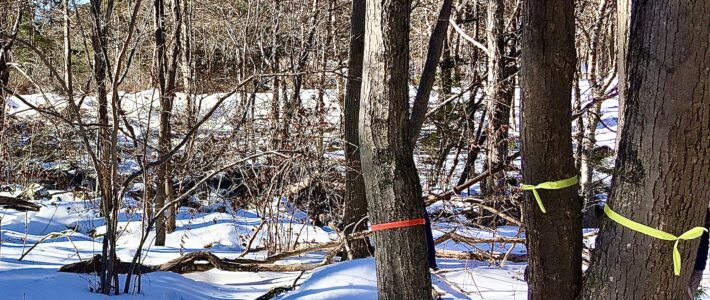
(224, 234)
(36, 276)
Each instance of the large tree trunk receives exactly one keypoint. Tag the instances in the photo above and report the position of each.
(391, 179)
(547, 68)
(355, 200)
(663, 163)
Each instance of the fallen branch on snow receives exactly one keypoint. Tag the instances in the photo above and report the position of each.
(18, 204)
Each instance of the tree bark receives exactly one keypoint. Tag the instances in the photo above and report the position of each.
(355, 200)
(623, 10)
(663, 163)
(166, 72)
(587, 164)
(554, 239)
(391, 179)
(498, 98)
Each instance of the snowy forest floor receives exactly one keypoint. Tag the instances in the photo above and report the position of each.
(224, 234)
(36, 276)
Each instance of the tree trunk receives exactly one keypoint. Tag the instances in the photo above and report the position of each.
(587, 161)
(186, 60)
(98, 44)
(166, 76)
(623, 10)
(163, 139)
(4, 80)
(355, 200)
(391, 179)
(436, 46)
(5, 46)
(663, 163)
(554, 239)
(498, 99)
(276, 143)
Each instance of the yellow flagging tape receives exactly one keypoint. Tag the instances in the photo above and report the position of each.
(688, 235)
(550, 185)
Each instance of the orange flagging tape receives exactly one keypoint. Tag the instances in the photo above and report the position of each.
(398, 224)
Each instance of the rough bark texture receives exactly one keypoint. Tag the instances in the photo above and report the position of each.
(355, 200)
(623, 8)
(587, 163)
(498, 98)
(391, 180)
(663, 164)
(547, 67)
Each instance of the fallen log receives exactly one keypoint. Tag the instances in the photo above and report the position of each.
(190, 263)
(317, 247)
(480, 255)
(18, 204)
(475, 240)
(296, 188)
(199, 262)
(94, 264)
(205, 261)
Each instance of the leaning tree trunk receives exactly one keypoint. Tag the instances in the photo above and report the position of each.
(547, 67)
(355, 200)
(663, 163)
(391, 179)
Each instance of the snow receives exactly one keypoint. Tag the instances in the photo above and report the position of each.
(224, 234)
(36, 276)
(355, 280)
(39, 283)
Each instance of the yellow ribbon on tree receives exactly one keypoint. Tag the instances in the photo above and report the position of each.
(550, 185)
(659, 234)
